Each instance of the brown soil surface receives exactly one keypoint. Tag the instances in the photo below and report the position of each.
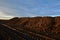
(47, 26)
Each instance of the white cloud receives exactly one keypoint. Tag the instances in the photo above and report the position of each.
(5, 16)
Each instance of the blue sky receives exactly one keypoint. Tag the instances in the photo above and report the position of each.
(23, 8)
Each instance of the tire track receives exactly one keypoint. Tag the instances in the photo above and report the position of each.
(27, 35)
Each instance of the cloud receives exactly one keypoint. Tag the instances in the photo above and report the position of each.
(2, 14)
(6, 10)
(11, 8)
(5, 16)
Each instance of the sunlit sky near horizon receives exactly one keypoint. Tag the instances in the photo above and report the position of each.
(29, 8)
